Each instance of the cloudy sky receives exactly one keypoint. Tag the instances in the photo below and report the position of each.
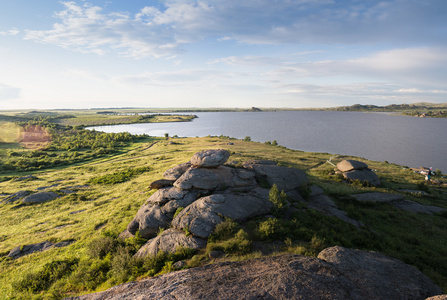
(221, 53)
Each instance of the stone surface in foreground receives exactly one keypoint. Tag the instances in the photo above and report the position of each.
(338, 273)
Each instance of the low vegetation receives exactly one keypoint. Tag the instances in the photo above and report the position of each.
(114, 185)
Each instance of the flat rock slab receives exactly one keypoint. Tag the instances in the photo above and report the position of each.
(168, 241)
(339, 274)
(40, 197)
(325, 205)
(415, 192)
(20, 251)
(419, 208)
(16, 196)
(210, 158)
(205, 178)
(285, 178)
(377, 197)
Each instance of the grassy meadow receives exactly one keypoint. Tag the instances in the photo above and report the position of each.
(97, 210)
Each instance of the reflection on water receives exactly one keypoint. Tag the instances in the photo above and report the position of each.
(403, 140)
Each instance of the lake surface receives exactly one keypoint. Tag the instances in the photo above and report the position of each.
(404, 140)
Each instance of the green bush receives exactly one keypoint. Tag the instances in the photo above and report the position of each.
(118, 177)
(43, 279)
(279, 200)
(101, 246)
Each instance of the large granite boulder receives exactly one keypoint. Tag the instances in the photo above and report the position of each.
(210, 158)
(205, 178)
(350, 165)
(174, 173)
(354, 170)
(168, 241)
(285, 178)
(148, 221)
(337, 274)
(159, 210)
(201, 217)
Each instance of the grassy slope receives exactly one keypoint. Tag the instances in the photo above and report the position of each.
(417, 239)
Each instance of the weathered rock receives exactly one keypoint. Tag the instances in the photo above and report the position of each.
(322, 203)
(285, 277)
(216, 254)
(148, 221)
(363, 175)
(201, 217)
(168, 241)
(377, 197)
(40, 197)
(206, 179)
(440, 297)
(27, 177)
(161, 183)
(349, 165)
(379, 276)
(210, 158)
(159, 210)
(418, 208)
(20, 251)
(177, 171)
(16, 196)
(165, 195)
(415, 192)
(180, 264)
(285, 178)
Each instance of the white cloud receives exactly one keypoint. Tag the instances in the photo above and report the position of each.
(13, 31)
(88, 29)
(159, 32)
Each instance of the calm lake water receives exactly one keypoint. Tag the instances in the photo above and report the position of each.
(408, 141)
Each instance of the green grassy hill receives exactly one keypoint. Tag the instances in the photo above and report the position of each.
(92, 211)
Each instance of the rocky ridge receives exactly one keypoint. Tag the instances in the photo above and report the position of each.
(194, 197)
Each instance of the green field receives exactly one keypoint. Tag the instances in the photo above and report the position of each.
(98, 212)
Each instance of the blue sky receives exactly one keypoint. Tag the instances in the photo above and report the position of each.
(221, 53)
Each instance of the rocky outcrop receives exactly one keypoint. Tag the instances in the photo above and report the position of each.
(337, 273)
(20, 251)
(357, 170)
(205, 192)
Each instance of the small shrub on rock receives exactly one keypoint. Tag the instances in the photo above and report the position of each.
(279, 200)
